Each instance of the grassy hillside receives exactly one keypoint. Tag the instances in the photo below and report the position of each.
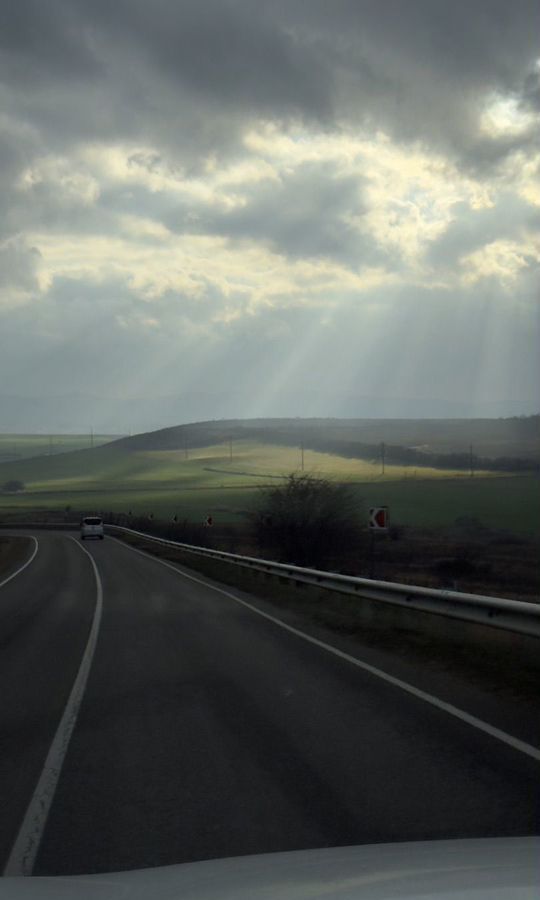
(14, 447)
(516, 437)
(194, 481)
(242, 463)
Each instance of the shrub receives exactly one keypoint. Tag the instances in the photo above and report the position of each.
(308, 521)
(11, 487)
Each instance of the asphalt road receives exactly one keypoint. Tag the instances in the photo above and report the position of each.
(208, 731)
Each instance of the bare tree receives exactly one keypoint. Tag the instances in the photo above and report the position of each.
(308, 521)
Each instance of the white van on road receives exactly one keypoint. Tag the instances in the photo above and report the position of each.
(92, 527)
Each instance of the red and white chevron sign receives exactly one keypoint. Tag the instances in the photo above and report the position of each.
(378, 518)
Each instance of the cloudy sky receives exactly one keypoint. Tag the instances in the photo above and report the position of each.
(271, 199)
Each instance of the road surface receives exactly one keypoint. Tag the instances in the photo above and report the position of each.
(206, 730)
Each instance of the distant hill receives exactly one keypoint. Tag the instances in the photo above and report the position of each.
(502, 445)
(490, 438)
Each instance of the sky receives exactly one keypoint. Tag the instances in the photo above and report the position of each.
(283, 203)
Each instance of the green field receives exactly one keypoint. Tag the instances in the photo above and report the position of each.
(206, 480)
(112, 468)
(23, 446)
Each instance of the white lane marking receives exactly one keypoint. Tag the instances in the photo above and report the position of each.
(24, 851)
(27, 563)
(496, 733)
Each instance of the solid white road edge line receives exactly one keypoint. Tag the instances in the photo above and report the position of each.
(24, 851)
(23, 567)
(496, 733)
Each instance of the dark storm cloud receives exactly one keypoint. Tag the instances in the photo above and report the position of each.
(228, 52)
(531, 92)
(188, 80)
(304, 213)
(50, 40)
(424, 70)
(11, 149)
(462, 42)
(184, 75)
(193, 73)
(10, 159)
(232, 53)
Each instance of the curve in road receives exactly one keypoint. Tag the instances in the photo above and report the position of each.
(207, 731)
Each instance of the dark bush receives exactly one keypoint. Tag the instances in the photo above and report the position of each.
(308, 521)
(11, 487)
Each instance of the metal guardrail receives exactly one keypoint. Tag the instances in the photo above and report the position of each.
(511, 615)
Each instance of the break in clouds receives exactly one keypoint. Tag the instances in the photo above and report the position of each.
(307, 208)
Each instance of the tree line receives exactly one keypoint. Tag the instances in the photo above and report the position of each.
(395, 454)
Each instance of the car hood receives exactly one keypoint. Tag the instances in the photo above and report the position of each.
(488, 869)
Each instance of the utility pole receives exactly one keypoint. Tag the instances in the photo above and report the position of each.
(383, 452)
(471, 461)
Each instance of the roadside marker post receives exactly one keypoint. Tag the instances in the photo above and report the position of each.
(378, 518)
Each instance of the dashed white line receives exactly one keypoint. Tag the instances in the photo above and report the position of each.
(23, 567)
(493, 732)
(24, 851)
